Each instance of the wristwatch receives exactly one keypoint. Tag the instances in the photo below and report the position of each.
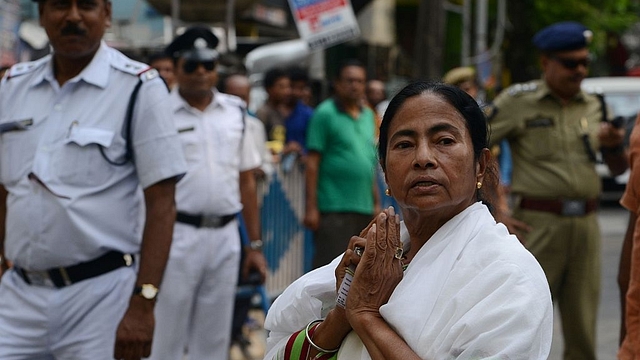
(147, 291)
(256, 245)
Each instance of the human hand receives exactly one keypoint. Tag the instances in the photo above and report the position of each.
(292, 146)
(135, 331)
(312, 219)
(353, 254)
(610, 136)
(255, 260)
(351, 257)
(379, 269)
(516, 227)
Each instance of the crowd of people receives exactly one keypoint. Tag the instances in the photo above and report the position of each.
(129, 205)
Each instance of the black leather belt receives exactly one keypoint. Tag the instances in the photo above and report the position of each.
(565, 207)
(65, 276)
(207, 221)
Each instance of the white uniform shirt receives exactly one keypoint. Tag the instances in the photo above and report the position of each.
(217, 148)
(66, 204)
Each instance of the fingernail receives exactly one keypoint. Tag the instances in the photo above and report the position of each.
(397, 219)
(392, 211)
(383, 216)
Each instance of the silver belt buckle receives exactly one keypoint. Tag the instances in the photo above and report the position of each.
(39, 278)
(573, 207)
(211, 221)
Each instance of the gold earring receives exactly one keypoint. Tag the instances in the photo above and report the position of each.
(387, 192)
(478, 185)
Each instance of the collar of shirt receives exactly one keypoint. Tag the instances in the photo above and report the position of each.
(94, 73)
(544, 91)
(340, 104)
(180, 103)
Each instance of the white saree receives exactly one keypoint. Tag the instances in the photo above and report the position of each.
(471, 292)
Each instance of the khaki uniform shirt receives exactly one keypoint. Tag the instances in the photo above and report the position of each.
(550, 158)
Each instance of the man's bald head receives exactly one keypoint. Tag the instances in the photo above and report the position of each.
(238, 85)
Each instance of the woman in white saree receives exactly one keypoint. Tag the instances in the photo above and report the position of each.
(469, 290)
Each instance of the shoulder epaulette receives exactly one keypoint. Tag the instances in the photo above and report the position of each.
(519, 89)
(25, 67)
(232, 100)
(148, 74)
(135, 68)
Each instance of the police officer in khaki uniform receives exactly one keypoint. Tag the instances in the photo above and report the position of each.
(555, 131)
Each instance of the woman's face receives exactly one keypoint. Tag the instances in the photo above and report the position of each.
(430, 163)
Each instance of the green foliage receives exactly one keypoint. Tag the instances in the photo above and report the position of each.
(601, 16)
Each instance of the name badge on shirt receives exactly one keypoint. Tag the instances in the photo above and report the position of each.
(17, 125)
(539, 122)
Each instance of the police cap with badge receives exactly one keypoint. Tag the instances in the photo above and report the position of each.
(197, 46)
(459, 75)
(562, 36)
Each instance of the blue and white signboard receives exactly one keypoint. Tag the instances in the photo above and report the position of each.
(323, 23)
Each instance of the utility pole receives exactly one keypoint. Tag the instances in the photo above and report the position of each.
(230, 26)
(175, 16)
(482, 17)
(428, 53)
(466, 33)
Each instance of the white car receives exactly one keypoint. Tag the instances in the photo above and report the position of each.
(622, 95)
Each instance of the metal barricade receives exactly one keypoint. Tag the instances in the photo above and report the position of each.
(287, 244)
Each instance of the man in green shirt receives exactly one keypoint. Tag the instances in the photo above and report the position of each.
(341, 191)
(555, 131)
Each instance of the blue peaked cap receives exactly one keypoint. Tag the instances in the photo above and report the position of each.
(563, 36)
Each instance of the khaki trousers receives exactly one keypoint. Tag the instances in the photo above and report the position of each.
(568, 249)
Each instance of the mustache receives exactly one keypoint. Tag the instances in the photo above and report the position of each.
(72, 29)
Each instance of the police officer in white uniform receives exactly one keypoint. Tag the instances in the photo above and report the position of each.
(87, 175)
(196, 306)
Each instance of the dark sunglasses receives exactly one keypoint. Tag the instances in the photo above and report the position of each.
(572, 64)
(190, 66)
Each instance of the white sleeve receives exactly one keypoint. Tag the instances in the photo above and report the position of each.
(250, 157)
(306, 299)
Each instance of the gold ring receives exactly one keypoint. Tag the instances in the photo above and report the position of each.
(358, 250)
(399, 253)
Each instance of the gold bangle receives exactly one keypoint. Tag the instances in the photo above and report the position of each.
(306, 334)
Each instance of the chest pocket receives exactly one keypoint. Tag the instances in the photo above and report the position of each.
(78, 159)
(542, 138)
(228, 145)
(16, 155)
(191, 146)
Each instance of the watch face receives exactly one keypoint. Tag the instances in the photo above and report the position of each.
(149, 292)
(256, 245)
